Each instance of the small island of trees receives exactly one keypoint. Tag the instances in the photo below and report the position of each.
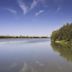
(63, 35)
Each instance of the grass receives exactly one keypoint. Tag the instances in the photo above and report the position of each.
(62, 42)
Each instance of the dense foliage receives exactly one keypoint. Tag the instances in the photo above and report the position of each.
(64, 33)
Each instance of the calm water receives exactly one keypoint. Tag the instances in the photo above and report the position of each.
(34, 55)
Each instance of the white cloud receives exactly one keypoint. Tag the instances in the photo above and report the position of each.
(11, 10)
(34, 4)
(40, 12)
(23, 6)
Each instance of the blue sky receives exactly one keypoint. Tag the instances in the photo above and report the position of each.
(33, 17)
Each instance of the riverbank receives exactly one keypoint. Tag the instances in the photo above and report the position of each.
(63, 35)
(63, 42)
(6, 37)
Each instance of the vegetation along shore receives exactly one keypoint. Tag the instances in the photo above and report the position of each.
(5, 37)
(63, 35)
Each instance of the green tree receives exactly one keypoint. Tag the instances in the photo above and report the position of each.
(64, 33)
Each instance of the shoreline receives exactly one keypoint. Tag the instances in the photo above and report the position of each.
(22, 37)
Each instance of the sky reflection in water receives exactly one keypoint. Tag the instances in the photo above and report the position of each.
(34, 55)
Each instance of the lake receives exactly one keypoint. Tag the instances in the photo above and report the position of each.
(34, 55)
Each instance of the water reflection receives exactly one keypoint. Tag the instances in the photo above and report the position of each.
(33, 55)
(64, 50)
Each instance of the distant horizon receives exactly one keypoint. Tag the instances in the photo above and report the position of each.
(47, 35)
(29, 35)
(20, 34)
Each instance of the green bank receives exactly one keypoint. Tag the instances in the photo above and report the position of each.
(63, 35)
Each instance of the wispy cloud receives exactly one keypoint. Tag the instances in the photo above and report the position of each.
(23, 6)
(34, 4)
(11, 10)
(40, 12)
(58, 9)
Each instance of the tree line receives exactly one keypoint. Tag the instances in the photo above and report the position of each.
(2, 37)
(64, 33)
